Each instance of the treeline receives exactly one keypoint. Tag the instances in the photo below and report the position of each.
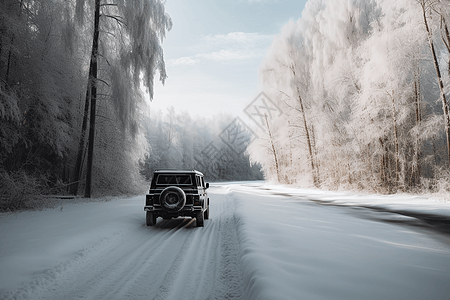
(70, 77)
(364, 87)
(179, 141)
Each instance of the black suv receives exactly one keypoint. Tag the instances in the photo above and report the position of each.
(175, 193)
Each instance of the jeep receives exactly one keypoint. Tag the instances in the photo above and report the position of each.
(175, 193)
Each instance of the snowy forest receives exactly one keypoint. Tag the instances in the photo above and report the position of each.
(364, 87)
(73, 114)
(70, 87)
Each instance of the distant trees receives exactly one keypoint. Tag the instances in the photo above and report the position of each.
(50, 95)
(176, 140)
(367, 116)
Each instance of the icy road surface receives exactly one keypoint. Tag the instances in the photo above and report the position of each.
(256, 245)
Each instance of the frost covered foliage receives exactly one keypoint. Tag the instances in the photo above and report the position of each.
(360, 94)
(176, 140)
(133, 52)
(45, 51)
(38, 93)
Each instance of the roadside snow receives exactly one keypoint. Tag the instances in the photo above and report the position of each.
(416, 204)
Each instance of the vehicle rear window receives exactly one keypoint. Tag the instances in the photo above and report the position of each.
(174, 179)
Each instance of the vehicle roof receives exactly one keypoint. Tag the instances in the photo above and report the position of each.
(178, 171)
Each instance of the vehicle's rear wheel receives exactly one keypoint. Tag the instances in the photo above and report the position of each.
(200, 219)
(150, 218)
(173, 198)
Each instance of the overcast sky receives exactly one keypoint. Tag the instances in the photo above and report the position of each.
(214, 50)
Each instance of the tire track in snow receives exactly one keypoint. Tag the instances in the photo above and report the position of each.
(230, 282)
(214, 271)
(135, 263)
(92, 268)
(173, 260)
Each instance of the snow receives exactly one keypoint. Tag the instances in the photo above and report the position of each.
(330, 256)
(34, 241)
(263, 241)
(437, 205)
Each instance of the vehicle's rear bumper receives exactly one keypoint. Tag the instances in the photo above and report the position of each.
(189, 211)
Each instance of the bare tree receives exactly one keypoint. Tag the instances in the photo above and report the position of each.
(427, 7)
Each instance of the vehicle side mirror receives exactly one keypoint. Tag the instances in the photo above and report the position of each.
(207, 185)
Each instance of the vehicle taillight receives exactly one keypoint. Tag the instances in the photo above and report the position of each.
(196, 199)
(148, 200)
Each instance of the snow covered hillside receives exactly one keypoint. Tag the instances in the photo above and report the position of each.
(262, 242)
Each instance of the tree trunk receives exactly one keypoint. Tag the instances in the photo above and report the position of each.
(439, 77)
(397, 159)
(446, 39)
(308, 138)
(93, 86)
(81, 145)
(274, 151)
(447, 34)
(417, 150)
(8, 64)
(315, 154)
(382, 165)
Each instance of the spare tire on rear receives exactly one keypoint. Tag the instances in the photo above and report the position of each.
(173, 198)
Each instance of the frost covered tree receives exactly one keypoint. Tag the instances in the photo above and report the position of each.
(38, 90)
(46, 89)
(127, 37)
(287, 79)
(367, 116)
(314, 55)
(428, 7)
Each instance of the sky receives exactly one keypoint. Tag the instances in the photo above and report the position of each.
(214, 51)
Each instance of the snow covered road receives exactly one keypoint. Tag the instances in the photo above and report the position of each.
(256, 245)
(116, 256)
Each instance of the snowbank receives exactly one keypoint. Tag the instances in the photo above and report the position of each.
(429, 205)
